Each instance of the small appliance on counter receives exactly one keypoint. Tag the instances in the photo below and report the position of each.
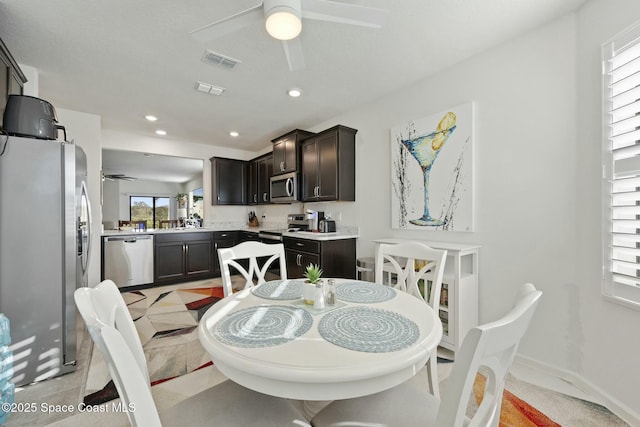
(327, 226)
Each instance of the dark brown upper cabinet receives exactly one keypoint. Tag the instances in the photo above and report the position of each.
(228, 181)
(12, 79)
(286, 151)
(259, 173)
(329, 165)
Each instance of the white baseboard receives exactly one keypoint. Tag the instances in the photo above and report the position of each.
(600, 396)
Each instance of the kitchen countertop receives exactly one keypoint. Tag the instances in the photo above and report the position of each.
(309, 235)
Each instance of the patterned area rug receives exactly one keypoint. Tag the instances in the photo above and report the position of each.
(167, 320)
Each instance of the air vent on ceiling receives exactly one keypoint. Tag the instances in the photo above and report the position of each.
(220, 60)
(209, 88)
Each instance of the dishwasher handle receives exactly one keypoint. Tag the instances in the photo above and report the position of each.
(128, 239)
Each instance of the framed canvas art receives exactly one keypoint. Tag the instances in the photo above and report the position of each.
(432, 172)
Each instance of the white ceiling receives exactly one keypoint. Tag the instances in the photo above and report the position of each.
(124, 59)
(151, 167)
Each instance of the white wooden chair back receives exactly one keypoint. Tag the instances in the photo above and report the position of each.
(252, 251)
(131, 383)
(403, 259)
(492, 346)
(104, 305)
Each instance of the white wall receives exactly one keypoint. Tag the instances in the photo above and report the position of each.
(537, 190)
(84, 130)
(603, 336)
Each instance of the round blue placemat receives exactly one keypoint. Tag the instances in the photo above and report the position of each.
(263, 326)
(279, 289)
(364, 292)
(368, 329)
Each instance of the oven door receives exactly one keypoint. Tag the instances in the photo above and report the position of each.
(284, 188)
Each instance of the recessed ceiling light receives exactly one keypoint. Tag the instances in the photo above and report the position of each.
(161, 132)
(295, 92)
(234, 134)
(151, 118)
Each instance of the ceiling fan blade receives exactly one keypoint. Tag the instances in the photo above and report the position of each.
(229, 24)
(343, 13)
(293, 52)
(121, 176)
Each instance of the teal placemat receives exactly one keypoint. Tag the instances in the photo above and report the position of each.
(279, 290)
(364, 292)
(368, 329)
(263, 326)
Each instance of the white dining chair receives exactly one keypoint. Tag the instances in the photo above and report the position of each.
(226, 404)
(103, 304)
(250, 251)
(491, 347)
(401, 260)
(112, 330)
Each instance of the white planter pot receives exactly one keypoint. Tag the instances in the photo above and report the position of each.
(308, 291)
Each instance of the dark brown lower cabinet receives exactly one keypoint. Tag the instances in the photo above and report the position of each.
(337, 258)
(183, 256)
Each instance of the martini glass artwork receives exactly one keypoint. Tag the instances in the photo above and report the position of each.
(425, 150)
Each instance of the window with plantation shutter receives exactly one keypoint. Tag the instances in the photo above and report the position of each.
(621, 168)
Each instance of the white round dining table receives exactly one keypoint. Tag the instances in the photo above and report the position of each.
(308, 367)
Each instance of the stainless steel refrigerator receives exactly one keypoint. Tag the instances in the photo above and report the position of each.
(45, 224)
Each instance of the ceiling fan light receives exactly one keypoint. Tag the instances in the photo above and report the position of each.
(283, 23)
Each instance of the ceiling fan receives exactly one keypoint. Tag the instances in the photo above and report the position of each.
(121, 176)
(283, 21)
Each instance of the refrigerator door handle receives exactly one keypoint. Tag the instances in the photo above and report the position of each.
(84, 197)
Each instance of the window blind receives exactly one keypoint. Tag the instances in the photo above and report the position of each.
(621, 60)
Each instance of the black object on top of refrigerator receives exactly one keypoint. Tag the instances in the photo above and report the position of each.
(45, 224)
(31, 117)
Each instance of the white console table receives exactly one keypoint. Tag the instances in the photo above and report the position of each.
(459, 297)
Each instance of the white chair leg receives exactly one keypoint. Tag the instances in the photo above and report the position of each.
(432, 374)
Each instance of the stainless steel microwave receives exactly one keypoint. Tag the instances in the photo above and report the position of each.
(284, 188)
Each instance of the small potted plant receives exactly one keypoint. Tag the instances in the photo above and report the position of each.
(313, 273)
(182, 199)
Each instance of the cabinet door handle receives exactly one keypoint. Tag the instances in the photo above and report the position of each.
(281, 166)
(299, 244)
(255, 198)
(264, 197)
(299, 259)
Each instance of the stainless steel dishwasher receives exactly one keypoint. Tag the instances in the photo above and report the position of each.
(128, 260)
